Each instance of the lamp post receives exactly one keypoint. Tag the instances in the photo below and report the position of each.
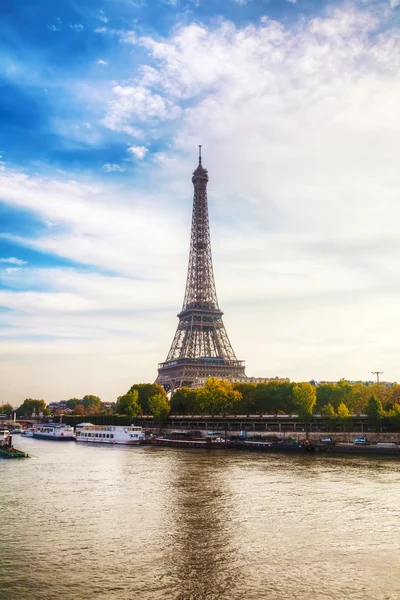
(377, 373)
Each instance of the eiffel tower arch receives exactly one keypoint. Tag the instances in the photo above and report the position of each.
(201, 347)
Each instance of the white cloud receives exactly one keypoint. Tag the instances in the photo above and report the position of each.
(112, 167)
(78, 27)
(11, 270)
(304, 179)
(13, 261)
(394, 3)
(138, 151)
(102, 62)
(102, 17)
(135, 103)
(76, 133)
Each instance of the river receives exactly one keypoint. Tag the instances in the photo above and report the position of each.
(97, 522)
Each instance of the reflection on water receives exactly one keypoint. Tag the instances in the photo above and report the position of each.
(115, 523)
(202, 551)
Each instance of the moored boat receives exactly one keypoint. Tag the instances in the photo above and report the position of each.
(28, 432)
(15, 429)
(109, 434)
(54, 431)
(187, 440)
(278, 446)
(347, 448)
(6, 448)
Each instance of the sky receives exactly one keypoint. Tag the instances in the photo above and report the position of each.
(102, 107)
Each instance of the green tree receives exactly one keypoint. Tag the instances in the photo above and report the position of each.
(326, 395)
(274, 397)
(184, 401)
(146, 391)
(91, 403)
(394, 415)
(328, 412)
(129, 404)
(30, 406)
(344, 394)
(304, 400)
(375, 411)
(382, 393)
(159, 407)
(217, 396)
(6, 409)
(245, 406)
(72, 402)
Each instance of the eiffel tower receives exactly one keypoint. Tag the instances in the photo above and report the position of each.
(201, 347)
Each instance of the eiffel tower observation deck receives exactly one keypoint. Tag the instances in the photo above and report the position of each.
(201, 347)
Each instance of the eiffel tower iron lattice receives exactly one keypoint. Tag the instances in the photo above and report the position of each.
(201, 347)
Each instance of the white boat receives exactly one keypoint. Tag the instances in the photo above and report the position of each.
(28, 432)
(54, 431)
(15, 429)
(109, 434)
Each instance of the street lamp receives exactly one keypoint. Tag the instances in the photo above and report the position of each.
(377, 373)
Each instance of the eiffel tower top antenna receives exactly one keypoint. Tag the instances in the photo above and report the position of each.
(199, 154)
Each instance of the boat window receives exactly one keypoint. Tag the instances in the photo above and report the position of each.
(111, 435)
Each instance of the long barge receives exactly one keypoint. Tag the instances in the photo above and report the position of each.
(11, 452)
(280, 446)
(6, 448)
(206, 443)
(372, 449)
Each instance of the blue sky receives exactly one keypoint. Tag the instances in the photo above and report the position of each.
(102, 107)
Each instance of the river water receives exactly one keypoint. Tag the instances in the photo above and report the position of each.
(97, 522)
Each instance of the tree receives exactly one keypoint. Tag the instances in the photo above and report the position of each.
(72, 402)
(184, 401)
(343, 414)
(375, 411)
(159, 407)
(328, 412)
(91, 403)
(273, 397)
(304, 399)
(395, 394)
(6, 409)
(381, 391)
(325, 395)
(394, 415)
(79, 409)
(146, 391)
(360, 398)
(129, 404)
(246, 406)
(217, 396)
(344, 394)
(30, 406)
